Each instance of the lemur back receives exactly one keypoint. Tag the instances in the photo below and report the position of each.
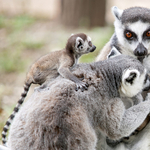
(48, 67)
(66, 119)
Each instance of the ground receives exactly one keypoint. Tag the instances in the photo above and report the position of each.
(23, 39)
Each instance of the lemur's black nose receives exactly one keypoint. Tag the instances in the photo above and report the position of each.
(93, 48)
(140, 50)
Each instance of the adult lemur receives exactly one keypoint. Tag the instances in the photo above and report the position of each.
(131, 37)
(65, 119)
(48, 67)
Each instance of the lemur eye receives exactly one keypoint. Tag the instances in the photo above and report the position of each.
(148, 33)
(129, 35)
(80, 43)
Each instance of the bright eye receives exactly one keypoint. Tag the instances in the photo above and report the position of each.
(79, 45)
(129, 35)
(148, 33)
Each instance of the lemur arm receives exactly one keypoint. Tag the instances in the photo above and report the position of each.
(64, 71)
(122, 122)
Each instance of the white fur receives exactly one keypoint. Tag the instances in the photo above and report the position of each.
(127, 47)
(138, 28)
(146, 63)
(132, 89)
(4, 148)
(117, 12)
(119, 30)
(115, 51)
(77, 41)
(89, 39)
(85, 47)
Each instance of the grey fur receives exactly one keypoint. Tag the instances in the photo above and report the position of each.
(113, 53)
(134, 14)
(58, 117)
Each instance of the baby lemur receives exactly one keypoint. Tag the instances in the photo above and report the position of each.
(48, 67)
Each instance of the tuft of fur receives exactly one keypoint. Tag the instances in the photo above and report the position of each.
(62, 118)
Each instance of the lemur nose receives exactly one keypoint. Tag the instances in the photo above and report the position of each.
(140, 50)
(94, 47)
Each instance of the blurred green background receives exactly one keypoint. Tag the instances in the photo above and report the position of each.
(29, 30)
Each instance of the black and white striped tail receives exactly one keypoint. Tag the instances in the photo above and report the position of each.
(16, 109)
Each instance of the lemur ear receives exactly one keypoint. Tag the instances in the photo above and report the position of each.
(113, 53)
(132, 82)
(72, 34)
(130, 75)
(79, 42)
(117, 12)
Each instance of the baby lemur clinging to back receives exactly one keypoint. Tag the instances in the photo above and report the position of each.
(53, 64)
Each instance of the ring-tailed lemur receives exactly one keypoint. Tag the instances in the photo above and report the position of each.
(56, 63)
(62, 118)
(131, 37)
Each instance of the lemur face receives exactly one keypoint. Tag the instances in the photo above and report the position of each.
(133, 30)
(84, 46)
(133, 80)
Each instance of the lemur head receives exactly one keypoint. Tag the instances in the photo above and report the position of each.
(134, 82)
(132, 28)
(134, 77)
(80, 44)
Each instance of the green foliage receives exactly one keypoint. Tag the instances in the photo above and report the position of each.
(12, 53)
(2, 22)
(22, 21)
(32, 44)
(10, 61)
(15, 23)
(88, 58)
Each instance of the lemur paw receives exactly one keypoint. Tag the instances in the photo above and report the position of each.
(81, 85)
